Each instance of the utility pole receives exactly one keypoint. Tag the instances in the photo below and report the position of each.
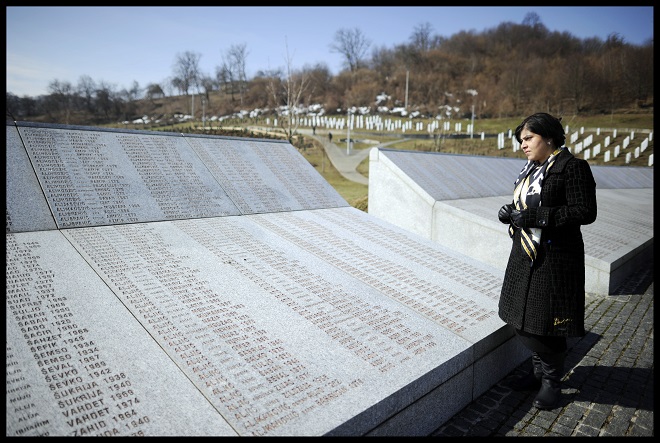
(407, 73)
(192, 106)
(203, 113)
(473, 93)
(348, 136)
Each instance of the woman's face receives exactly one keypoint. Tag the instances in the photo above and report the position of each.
(535, 147)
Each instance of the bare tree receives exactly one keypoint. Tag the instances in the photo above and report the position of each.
(225, 79)
(154, 91)
(292, 89)
(237, 55)
(106, 100)
(531, 19)
(62, 96)
(208, 85)
(178, 84)
(134, 92)
(86, 88)
(576, 78)
(231, 74)
(186, 71)
(353, 45)
(421, 37)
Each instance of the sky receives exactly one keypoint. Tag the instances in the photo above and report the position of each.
(121, 45)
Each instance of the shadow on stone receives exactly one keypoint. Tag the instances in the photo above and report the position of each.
(612, 385)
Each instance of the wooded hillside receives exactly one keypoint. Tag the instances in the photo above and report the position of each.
(509, 71)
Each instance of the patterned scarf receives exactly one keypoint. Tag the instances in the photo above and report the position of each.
(527, 194)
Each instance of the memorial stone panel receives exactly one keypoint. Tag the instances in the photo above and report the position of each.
(612, 236)
(26, 205)
(296, 338)
(216, 286)
(457, 293)
(94, 177)
(419, 191)
(265, 177)
(450, 177)
(78, 364)
(623, 177)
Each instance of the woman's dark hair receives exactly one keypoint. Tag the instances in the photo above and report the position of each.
(544, 125)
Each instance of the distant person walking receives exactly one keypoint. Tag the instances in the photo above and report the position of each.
(330, 137)
(543, 292)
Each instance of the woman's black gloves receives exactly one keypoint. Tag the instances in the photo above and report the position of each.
(517, 218)
(527, 218)
(504, 213)
(509, 214)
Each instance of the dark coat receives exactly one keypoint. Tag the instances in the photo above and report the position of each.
(548, 297)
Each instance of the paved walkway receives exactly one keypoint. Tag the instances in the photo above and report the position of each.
(344, 162)
(608, 388)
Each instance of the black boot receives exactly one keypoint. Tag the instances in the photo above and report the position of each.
(550, 392)
(531, 380)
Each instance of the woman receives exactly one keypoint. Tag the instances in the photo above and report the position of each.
(543, 290)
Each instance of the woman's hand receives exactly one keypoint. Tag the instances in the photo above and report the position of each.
(504, 213)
